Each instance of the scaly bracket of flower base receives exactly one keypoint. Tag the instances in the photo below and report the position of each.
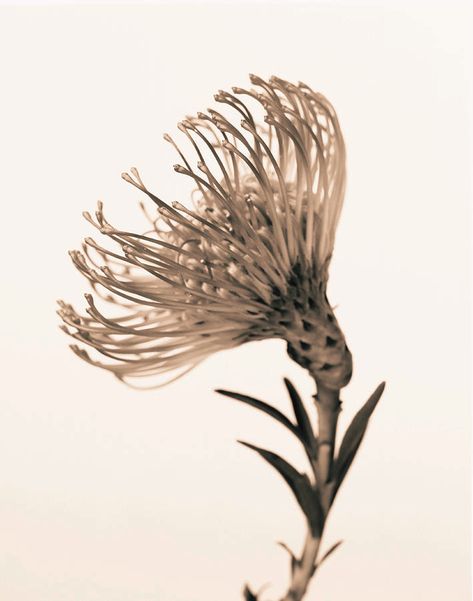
(315, 494)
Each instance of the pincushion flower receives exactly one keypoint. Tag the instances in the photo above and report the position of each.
(249, 261)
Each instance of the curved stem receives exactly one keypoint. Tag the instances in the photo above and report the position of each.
(328, 408)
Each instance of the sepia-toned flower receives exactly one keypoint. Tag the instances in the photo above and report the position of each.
(249, 261)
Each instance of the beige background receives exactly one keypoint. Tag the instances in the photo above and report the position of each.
(107, 494)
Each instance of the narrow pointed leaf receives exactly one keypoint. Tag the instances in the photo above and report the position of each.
(294, 560)
(262, 406)
(353, 437)
(303, 420)
(306, 495)
(329, 552)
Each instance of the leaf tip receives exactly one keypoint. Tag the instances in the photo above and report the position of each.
(290, 386)
(379, 391)
(245, 444)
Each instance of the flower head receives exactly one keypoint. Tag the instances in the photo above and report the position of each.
(248, 262)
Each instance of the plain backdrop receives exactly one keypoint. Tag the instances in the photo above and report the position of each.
(108, 494)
